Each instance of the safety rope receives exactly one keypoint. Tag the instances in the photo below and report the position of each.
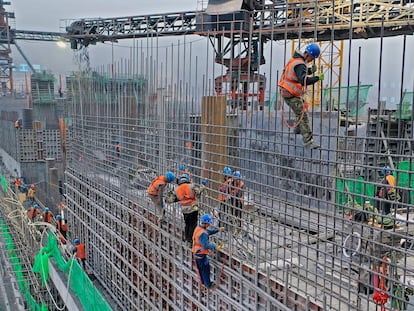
(305, 108)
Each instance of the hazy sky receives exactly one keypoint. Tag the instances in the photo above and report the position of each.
(53, 15)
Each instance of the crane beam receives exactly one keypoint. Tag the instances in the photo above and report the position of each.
(331, 19)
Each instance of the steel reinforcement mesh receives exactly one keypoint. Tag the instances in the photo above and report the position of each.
(311, 233)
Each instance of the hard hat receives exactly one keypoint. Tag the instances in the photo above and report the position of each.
(206, 219)
(170, 176)
(386, 170)
(58, 217)
(76, 241)
(181, 167)
(46, 209)
(184, 179)
(313, 50)
(32, 186)
(237, 174)
(36, 206)
(227, 171)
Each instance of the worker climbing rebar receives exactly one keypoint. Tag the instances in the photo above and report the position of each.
(187, 194)
(62, 228)
(47, 216)
(31, 194)
(202, 248)
(293, 87)
(237, 200)
(33, 212)
(156, 192)
(80, 253)
(224, 195)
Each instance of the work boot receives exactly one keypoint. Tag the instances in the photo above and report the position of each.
(211, 286)
(311, 144)
(297, 130)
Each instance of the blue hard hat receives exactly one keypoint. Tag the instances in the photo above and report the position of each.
(181, 167)
(227, 171)
(313, 50)
(36, 206)
(76, 241)
(58, 217)
(237, 174)
(184, 179)
(386, 170)
(206, 219)
(170, 176)
(46, 209)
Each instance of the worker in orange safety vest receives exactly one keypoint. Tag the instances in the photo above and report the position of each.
(156, 192)
(33, 213)
(47, 216)
(62, 228)
(31, 193)
(80, 252)
(224, 195)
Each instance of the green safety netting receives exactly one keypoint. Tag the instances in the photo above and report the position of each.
(4, 184)
(348, 99)
(406, 110)
(18, 270)
(80, 283)
(406, 177)
(359, 190)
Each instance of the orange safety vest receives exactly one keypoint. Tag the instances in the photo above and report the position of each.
(80, 251)
(289, 80)
(197, 247)
(234, 190)
(47, 217)
(33, 213)
(61, 227)
(391, 182)
(186, 195)
(154, 187)
(18, 182)
(223, 189)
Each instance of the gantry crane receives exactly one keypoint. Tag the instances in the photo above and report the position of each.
(238, 30)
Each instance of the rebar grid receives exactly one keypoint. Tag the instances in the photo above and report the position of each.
(297, 246)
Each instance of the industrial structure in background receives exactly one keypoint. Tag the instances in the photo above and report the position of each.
(312, 233)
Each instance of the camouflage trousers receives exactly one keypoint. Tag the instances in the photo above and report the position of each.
(296, 104)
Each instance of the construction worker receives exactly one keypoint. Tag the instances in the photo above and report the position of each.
(224, 192)
(202, 248)
(118, 148)
(33, 213)
(80, 252)
(293, 85)
(17, 124)
(31, 193)
(187, 194)
(182, 169)
(156, 192)
(237, 199)
(62, 228)
(47, 216)
(18, 182)
(387, 191)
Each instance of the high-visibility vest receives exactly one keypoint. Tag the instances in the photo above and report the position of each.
(235, 189)
(33, 213)
(223, 189)
(31, 193)
(197, 247)
(47, 217)
(61, 226)
(80, 251)
(289, 80)
(154, 187)
(18, 182)
(186, 195)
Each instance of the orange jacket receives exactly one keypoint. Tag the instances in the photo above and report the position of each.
(47, 217)
(18, 182)
(197, 247)
(80, 251)
(61, 227)
(186, 195)
(236, 189)
(389, 182)
(224, 189)
(156, 184)
(33, 213)
(289, 80)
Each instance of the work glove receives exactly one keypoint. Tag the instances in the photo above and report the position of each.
(204, 182)
(221, 229)
(219, 246)
(313, 68)
(321, 76)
